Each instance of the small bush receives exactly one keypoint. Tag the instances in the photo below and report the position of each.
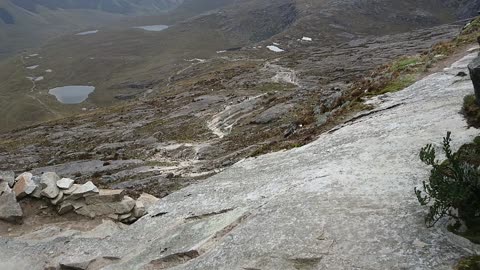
(471, 111)
(453, 188)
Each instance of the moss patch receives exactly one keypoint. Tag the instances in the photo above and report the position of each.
(471, 111)
(469, 263)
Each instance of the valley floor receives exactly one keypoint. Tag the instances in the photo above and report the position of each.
(345, 201)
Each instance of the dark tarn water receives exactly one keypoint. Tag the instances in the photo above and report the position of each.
(72, 94)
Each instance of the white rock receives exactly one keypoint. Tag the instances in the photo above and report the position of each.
(306, 39)
(147, 200)
(65, 183)
(87, 189)
(139, 209)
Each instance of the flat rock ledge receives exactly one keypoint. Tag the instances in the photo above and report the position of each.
(345, 201)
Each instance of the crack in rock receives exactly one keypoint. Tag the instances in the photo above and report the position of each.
(196, 217)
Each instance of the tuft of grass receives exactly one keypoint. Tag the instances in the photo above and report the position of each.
(406, 63)
(397, 84)
(469, 263)
(471, 111)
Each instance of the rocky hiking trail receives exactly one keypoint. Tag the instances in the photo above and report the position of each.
(344, 201)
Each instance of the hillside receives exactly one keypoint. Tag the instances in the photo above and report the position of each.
(343, 202)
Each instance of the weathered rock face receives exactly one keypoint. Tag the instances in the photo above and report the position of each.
(7, 176)
(10, 209)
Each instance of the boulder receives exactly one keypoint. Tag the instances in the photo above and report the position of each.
(147, 200)
(106, 196)
(105, 209)
(49, 183)
(10, 209)
(65, 183)
(7, 176)
(139, 209)
(24, 186)
(85, 190)
(474, 69)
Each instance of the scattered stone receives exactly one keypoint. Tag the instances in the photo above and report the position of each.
(37, 193)
(10, 209)
(7, 176)
(24, 186)
(147, 200)
(71, 189)
(104, 209)
(85, 190)
(139, 209)
(461, 74)
(65, 183)
(124, 216)
(65, 208)
(58, 199)
(106, 196)
(49, 183)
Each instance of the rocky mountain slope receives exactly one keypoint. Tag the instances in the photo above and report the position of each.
(345, 201)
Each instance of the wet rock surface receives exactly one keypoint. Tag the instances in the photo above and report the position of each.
(345, 201)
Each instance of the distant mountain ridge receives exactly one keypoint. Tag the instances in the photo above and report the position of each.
(112, 6)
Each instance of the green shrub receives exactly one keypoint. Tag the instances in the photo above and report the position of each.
(453, 188)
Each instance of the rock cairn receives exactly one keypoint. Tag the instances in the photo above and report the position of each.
(67, 196)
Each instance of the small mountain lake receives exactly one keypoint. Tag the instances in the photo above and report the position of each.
(72, 94)
(154, 28)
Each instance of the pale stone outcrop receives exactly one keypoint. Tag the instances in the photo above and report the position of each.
(10, 209)
(24, 186)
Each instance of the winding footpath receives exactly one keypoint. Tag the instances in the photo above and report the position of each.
(345, 201)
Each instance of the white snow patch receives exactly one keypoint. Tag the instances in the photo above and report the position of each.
(274, 48)
(306, 39)
(39, 79)
(153, 28)
(275, 43)
(32, 67)
(87, 33)
(48, 70)
(33, 55)
(222, 51)
(196, 60)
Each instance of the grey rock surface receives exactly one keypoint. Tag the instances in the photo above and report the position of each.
(65, 183)
(8, 176)
(10, 209)
(344, 201)
(78, 191)
(49, 183)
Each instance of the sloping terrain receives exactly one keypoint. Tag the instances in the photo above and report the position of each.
(343, 202)
(196, 132)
